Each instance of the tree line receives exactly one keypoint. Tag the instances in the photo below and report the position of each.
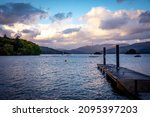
(17, 46)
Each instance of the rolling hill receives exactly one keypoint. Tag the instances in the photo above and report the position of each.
(91, 49)
(143, 48)
(11, 46)
(47, 50)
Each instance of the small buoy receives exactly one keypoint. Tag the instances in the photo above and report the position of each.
(65, 60)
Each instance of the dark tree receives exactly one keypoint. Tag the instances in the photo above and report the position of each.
(18, 47)
(131, 51)
(97, 53)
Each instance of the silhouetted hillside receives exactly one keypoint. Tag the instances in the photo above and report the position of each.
(143, 48)
(47, 50)
(91, 49)
(9, 46)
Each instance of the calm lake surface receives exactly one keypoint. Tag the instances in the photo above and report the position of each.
(61, 76)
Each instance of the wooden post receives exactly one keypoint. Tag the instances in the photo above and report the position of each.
(104, 56)
(117, 57)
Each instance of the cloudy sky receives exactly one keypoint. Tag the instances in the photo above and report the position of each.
(73, 23)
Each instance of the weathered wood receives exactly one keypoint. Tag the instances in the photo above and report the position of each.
(117, 57)
(104, 56)
(132, 83)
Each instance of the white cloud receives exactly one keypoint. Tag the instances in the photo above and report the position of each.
(99, 25)
(120, 25)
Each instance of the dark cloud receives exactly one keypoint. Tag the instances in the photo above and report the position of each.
(5, 31)
(27, 31)
(114, 23)
(19, 13)
(120, 1)
(145, 17)
(71, 30)
(69, 14)
(141, 29)
(140, 36)
(31, 33)
(61, 16)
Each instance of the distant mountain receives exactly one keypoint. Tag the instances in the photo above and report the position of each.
(143, 48)
(91, 49)
(46, 50)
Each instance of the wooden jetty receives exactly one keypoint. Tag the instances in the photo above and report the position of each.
(129, 82)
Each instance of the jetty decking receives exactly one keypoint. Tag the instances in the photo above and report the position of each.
(134, 84)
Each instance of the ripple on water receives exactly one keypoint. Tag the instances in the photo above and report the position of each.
(50, 77)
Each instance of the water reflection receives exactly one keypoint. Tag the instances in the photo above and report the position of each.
(50, 77)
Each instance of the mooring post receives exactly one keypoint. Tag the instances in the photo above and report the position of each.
(117, 57)
(104, 56)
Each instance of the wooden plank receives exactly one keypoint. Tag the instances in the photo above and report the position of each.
(123, 73)
(130, 82)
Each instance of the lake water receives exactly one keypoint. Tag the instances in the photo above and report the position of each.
(61, 76)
